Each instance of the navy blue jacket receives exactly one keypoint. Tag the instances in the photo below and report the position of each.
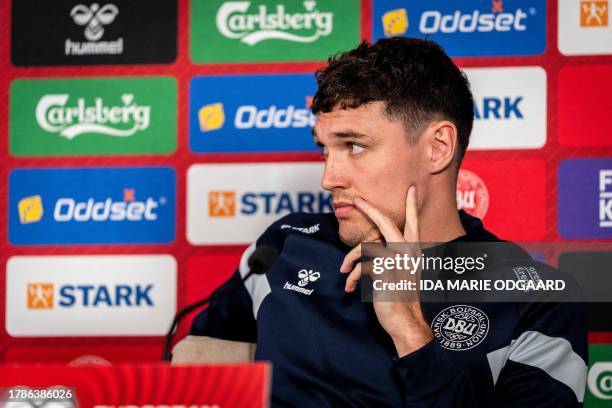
(328, 349)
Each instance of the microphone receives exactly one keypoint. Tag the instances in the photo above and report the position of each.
(259, 262)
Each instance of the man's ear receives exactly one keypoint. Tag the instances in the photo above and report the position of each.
(442, 140)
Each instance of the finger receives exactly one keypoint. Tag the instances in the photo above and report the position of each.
(356, 253)
(371, 250)
(411, 224)
(386, 226)
(350, 258)
(353, 278)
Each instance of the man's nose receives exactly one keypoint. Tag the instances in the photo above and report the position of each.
(334, 176)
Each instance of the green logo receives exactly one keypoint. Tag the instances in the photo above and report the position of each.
(72, 117)
(272, 30)
(599, 379)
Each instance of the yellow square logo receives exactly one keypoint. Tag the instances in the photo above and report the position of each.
(221, 204)
(395, 22)
(594, 13)
(40, 296)
(211, 117)
(30, 209)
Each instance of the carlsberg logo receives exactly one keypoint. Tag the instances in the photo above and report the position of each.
(235, 22)
(55, 114)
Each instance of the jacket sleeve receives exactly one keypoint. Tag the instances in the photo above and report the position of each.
(230, 316)
(546, 363)
(432, 380)
(543, 366)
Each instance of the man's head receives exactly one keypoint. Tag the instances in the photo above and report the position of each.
(390, 115)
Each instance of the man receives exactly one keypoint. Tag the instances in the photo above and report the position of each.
(394, 121)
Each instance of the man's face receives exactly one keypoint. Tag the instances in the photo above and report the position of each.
(367, 154)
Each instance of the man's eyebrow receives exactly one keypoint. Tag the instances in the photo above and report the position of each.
(350, 134)
(345, 134)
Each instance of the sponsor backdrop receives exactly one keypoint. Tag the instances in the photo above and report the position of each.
(147, 143)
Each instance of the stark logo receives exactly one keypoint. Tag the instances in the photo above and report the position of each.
(594, 13)
(307, 276)
(94, 18)
(304, 230)
(221, 204)
(40, 296)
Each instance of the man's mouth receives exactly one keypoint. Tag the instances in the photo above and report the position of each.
(342, 208)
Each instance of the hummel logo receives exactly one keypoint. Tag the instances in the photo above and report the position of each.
(94, 18)
(306, 276)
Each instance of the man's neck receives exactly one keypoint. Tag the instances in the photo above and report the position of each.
(440, 222)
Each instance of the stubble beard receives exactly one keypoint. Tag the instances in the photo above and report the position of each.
(353, 233)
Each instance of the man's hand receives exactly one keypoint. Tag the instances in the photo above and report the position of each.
(402, 320)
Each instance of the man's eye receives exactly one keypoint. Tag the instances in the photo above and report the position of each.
(356, 149)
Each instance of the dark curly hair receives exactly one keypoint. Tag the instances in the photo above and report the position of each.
(415, 78)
